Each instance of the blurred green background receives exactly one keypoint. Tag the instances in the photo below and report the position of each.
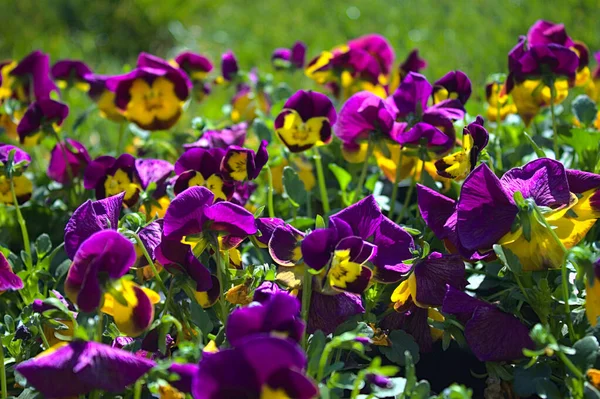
(474, 36)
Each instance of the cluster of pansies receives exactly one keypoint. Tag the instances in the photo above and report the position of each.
(320, 241)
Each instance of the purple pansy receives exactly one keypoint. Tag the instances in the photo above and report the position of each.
(70, 72)
(292, 57)
(19, 156)
(105, 252)
(412, 63)
(194, 212)
(79, 367)
(379, 47)
(110, 176)
(202, 167)
(229, 66)
(33, 72)
(8, 279)
(244, 164)
(77, 158)
(241, 371)
(454, 84)
(40, 115)
(89, 218)
(279, 315)
(223, 138)
(305, 120)
(492, 334)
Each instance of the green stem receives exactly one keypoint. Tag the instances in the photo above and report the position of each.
(396, 183)
(137, 389)
(306, 294)
(270, 193)
(3, 374)
(564, 274)
(99, 325)
(169, 297)
(356, 387)
(43, 336)
(570, 365)
(363, 173)
(554, 127)
(122, 131)
(161, 284)
(411, 188)
(95, 394)
(220, 269)
(22, 224)
(321, 179)
(323, 362)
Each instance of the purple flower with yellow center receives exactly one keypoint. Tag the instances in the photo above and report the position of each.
(305, 121)
(41, 116)
(8, 279)
(241, 371)
(202, 167)
(244, 164)
(426, 285)
(104, 257)
(152, 95)
(362, 116)
(109, 176)
(379, 47)
(279, 316)
(71, 73)
(223, 138)
(178, 258)
(513, 211)
(194, 212)
(412, 63)
(492, 334)
(283, 240)
(67, 161)
(91, 217)
(459, 164)
(197, 67)
(78, 367)
(154, 174)
(30, 75)
(23, 186)
(266, 227)
(284, 58)
(453, 85)
(102, 92)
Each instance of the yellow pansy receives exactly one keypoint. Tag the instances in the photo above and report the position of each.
(153, 105)
(23, 189)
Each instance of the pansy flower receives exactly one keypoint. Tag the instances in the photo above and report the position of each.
(229, 67)
(177, 257)
(104, 257)
(71, 73)
(492, 334)
(293, 58)
(278, 316)
(30, 75)
(412, 63)
(460, 164)
(426, 285)
(67, 161)
(488, 212)
(102, 92)
(222, 138)
(283, 240)
(152, 95)
(327, 312)
(8, 279)
(109, 176)
(22, 185)
(244, 164)
(89, 218)
(249, 101)
(202, 167)
(155, 172)
(194, 212)
(40, 116)
(499, 105)
(197, 67)
(305, 121)
(453, 85)
(379, 47)
(78, 367)
(241, 371)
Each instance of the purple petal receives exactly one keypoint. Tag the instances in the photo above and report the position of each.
(185, 214)
(364, 217)
(230, 218)
(412, 95)
(317, 247)
(283, 245)
(434, 273)
(435, 209)
(329, 311)
(8, 280)
(394, 245)
(580, 181)
(152, 171)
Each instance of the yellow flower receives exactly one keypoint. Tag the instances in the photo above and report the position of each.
(120, 182)
(531, 95)
(153, 106)
(499, 105)
(23, 189)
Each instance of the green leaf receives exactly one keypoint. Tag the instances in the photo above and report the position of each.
(586, 352)
(584, 109)
(370, 182)
(43, 245)
(546, 389)
(343, 177)
(294, 188)
(258, 213)
(538, 151)
(508, 259)
(526, 379)
(315, 349)
(261, 130)
(401, 342)
(201, 319)
(319, 222)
